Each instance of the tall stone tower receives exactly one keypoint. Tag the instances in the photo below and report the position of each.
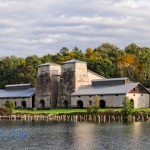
(74, 74)
(47, 84)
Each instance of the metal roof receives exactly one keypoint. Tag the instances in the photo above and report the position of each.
(17, 93)
(73, 61)
(104, 90)
(47, 64)
(111, 79)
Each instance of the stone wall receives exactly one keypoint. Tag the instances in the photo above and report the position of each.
(47, 86)
(47, 90)
(72, 77)
(81, 75)
(18, 101)
(66, 88)
(111, 100)
(141, 100)
(42, 90)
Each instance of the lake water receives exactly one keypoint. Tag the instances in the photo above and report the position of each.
(74, 136)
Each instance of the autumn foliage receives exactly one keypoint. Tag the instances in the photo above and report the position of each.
(107, 60)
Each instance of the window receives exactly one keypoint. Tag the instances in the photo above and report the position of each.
(133, 94)
(141, 94)
(134, 89)
(116, 94)
(80, 104)
(90, 103)
(101, 95)
(142, 89)
(89, 95)
(23, 104)
(79, 96)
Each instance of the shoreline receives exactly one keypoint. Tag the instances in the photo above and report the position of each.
(76, 117)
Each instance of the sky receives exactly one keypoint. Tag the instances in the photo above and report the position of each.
(40, 27)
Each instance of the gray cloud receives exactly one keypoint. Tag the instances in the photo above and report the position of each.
(41, 27)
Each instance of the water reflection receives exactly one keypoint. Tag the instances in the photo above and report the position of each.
(83, 136)
(79, 136)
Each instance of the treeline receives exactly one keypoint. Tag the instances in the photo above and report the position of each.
(107, 60)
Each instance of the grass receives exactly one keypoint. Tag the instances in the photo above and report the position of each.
(69, 111)
(51, 111)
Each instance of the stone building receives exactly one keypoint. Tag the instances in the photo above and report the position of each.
(56, 83)
(23, 95)
(74, 75)
(47, 81)
(111, 93)
(71, 84)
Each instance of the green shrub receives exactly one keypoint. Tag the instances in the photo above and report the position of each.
(10, 104)
(89, 110)
(19, 107)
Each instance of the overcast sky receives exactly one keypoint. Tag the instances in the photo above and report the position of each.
(29, 27)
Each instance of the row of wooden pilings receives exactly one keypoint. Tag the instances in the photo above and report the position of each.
(77, 117)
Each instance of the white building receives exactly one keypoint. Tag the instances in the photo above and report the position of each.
(21, 94)
(111, 93)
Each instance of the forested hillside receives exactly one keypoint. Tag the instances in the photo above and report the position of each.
(107, 60)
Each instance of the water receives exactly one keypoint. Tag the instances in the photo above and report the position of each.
(76, 136)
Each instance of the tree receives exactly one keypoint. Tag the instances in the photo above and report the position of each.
(142, 54)
(64, 51)
(96, 104)
(46, 58)
(8, 70)
(127, 106)
(108, 46)
(104, 67)
(76, 50)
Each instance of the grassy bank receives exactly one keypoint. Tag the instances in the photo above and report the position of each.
(70, 111)
(51, 111)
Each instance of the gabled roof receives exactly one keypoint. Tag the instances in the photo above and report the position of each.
(104, 90)
(48, 64)
(17, 93)
(73, 61)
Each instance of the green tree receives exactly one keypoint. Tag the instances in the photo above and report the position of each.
(108, 46)
(76, 50)
(9, 70)
(64, 51)
(96, 104)
(127, 106)
(104, 67)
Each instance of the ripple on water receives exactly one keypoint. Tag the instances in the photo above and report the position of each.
(78, 136)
